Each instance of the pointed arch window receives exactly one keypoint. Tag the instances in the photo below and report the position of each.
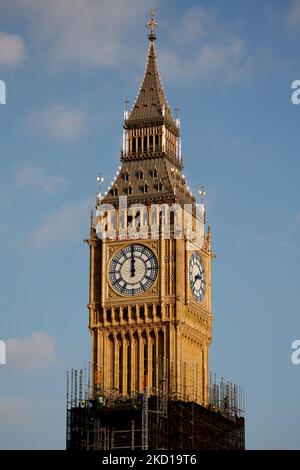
(126, 176)
(154, 173)
(115, 191)
(129, 190)
(146, 187)
(133, 145)
(140, 174)
(137, 217)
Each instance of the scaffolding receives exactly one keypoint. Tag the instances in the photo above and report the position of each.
(226, 398)
(107, 420)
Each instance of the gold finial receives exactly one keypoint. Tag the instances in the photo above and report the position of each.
(202, 194)
(152, 25)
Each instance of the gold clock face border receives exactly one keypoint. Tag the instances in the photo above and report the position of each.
(198, 302)
(146, 292)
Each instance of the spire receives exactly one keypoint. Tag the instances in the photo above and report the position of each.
(151, 147)
(151, 106)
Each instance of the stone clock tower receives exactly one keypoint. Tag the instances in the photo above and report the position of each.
(150, 309)
(150, 262)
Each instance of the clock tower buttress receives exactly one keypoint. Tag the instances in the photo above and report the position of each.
(150, 309)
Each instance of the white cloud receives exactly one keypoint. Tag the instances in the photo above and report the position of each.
(12, 49)
(203, 45)
(58, 121)
(206, 60)
(36, 176)
(13, 411)
(193, 25)
(35, 352)
(26, 175)
(293, 16)
(85, 32)
(109, 33)
(66, 223)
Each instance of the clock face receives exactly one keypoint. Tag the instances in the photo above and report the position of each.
(197, 277)
(133, 270)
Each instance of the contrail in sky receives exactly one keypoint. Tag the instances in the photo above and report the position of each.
(257, 237)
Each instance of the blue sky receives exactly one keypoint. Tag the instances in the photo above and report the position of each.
(68, 66)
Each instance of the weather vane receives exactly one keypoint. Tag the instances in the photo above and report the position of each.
(152, 25)
(126, 103)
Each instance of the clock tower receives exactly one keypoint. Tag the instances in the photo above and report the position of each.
(150, 301)
(150, 308)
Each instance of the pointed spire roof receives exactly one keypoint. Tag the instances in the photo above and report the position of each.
(161, 171)
(151, 106)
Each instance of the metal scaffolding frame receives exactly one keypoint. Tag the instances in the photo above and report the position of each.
(107, 420)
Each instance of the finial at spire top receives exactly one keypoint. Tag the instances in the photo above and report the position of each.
(152, 25)
(126, 103)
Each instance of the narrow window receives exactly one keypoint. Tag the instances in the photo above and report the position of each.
(138, 219)
(172, 218)
(108, 315)
(133, 145)
(151, 142)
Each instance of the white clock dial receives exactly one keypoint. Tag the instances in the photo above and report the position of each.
(133, 269)
(197, 277)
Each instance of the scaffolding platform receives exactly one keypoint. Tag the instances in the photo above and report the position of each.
(94, 425)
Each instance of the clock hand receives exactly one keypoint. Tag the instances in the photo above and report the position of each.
(132, 268)
(197, 277)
